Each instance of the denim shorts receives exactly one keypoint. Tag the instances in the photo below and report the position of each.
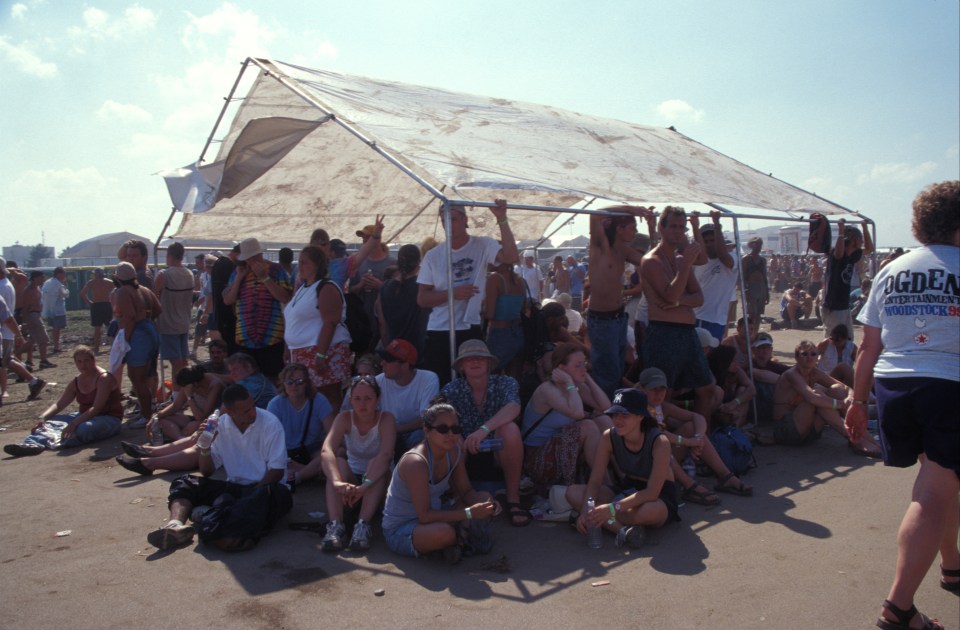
(144, 344)
(400, 539)
(173, 347)
(57, 322)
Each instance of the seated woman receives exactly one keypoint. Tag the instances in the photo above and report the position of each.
(837, 354)
(306, 416)
(644, 493)
(356, 459)
(100, 411)
(738, 389)
(558, 433)
(687, 433)
(414, 520)
(197, 398)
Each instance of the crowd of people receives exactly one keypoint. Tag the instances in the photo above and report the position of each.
(342, 370)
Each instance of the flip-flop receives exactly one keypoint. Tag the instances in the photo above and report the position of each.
(514, 511)
(740, 490)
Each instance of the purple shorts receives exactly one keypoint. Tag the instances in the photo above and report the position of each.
(915, 420)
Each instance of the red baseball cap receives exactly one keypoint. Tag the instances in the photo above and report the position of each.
(399, 350)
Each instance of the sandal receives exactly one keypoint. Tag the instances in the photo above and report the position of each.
(903, 618)
(699, 495)
(953, 587)
(739, 489)
(514, 512)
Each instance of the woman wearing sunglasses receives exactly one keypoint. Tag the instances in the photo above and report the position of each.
(414, 520)
(306, 416)
(356, 459)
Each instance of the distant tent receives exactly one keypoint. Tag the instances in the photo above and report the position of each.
(103, 246)
(371, 146)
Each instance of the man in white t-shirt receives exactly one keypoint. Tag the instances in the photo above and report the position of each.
(250, 445)
(471, 255)
(717, 272)
(531, 274)
(405, 391)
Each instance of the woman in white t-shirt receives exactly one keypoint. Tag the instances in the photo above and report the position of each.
(314, 331)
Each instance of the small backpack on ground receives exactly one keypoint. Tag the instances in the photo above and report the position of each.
(734, 448)
(357, 321)
(821, 236)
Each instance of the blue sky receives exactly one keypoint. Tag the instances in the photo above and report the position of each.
(858, 101)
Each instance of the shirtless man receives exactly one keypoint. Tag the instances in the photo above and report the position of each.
(672, 292)
(32, 306)
(610, 246)
(96, 292)
(805, 399)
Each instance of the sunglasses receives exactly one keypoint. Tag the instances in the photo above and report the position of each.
(807, 354)
(443, 429)
(369, 380)
(295, 381)
(389, 358)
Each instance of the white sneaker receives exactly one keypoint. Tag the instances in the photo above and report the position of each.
(360, 541)
(333, 541)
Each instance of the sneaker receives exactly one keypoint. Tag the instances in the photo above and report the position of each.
(631, 536)
(171, 537)
(35, 389)
(23, 450)
(360, 541)
(137, 423)
(44, 364)
(333, 541)
(28, 365)
(133, 464)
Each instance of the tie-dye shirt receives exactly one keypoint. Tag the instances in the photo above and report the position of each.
(259, 315)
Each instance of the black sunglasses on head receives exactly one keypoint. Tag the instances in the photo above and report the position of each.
(443, 429)
(369, 380)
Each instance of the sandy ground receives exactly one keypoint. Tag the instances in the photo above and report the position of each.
(815, 547)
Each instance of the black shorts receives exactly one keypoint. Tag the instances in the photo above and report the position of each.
(100, 314)
(916, 417)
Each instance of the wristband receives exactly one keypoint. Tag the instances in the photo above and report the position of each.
(736, 399)
(484, 427)
(571, 387)
(321, 355)
(613, 514)
(834, 402)
(469, 513)
(679, 440)
(205, 453)
(860, 402)
(502, 221)
(366, 481)
(686, 404)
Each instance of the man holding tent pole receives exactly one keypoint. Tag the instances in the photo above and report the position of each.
(470, 256)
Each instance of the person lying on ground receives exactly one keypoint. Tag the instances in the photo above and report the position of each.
(415, 520)
(356, 458)
(806, 399)
(98, 398)
(249, 446)
(644, 493)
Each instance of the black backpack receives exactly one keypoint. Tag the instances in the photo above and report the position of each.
(357, 321)
(820, 238)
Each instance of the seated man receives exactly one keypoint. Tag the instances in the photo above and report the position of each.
(794, 305)
(766, 372)
(488, 406)
(405, 392)
(740, 341)
(805, 399)
(243, 370)
(249, 445)
(217, 364)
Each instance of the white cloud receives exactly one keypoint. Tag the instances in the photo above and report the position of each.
(64, 183)
(98, 25)
(244, 34)
(162, 150)
(26, 61)
(675, 111)
(126, 113)
(826, 187)
(326, 50)
(18, 11)
(898, 173)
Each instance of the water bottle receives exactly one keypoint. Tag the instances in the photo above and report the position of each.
(594, 534)
(156, 434)
(207, 436)
(491, 444)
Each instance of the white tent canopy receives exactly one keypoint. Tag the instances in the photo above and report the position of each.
(392, 148)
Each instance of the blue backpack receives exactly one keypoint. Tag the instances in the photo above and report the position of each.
(734, 448)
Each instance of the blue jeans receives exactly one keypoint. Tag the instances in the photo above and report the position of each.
(95, 429)
(608, 351)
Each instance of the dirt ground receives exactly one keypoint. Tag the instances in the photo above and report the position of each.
(815, 547)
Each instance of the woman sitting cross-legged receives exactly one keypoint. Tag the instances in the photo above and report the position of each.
(197, 398)
(306, 417)
(100, 411)
(367, 436)
(414, 520)
(558, 433)
(644, 492)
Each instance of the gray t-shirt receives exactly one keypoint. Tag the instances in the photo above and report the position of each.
(915, 301)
